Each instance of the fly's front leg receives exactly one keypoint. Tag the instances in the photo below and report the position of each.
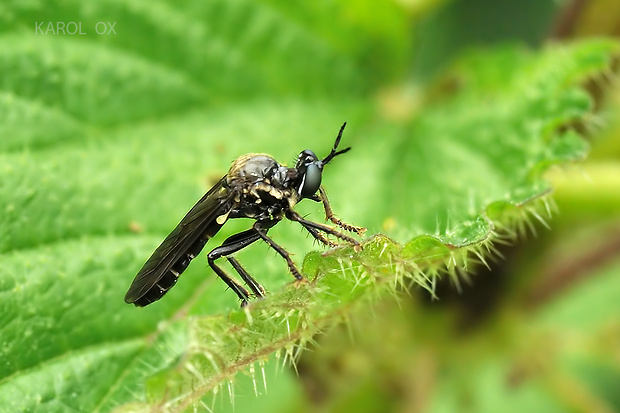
(329, 214)
(313, 226)
(320, 237)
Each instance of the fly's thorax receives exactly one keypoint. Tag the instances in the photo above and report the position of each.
(250, 168)
(263, 187)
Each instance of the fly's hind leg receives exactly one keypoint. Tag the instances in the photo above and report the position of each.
(256, 288)
(233, 244)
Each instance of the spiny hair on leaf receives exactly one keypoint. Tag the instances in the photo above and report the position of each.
(516, 222)
(251, 371)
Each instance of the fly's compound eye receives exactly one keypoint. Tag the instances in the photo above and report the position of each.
(311, 180)
(305, 158)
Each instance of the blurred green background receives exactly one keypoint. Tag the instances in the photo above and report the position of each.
(108, 136)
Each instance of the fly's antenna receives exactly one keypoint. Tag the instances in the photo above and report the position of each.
(334, 153)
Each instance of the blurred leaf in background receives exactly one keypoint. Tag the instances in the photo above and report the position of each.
(455, 110)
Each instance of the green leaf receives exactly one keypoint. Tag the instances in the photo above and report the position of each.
(107, 140)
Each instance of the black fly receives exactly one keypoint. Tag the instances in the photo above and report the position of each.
(257, 187)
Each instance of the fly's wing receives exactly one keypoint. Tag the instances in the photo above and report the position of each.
(184, 242)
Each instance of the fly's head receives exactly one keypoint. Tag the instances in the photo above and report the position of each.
(310, 169)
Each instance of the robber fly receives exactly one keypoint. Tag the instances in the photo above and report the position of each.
(257, 187)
